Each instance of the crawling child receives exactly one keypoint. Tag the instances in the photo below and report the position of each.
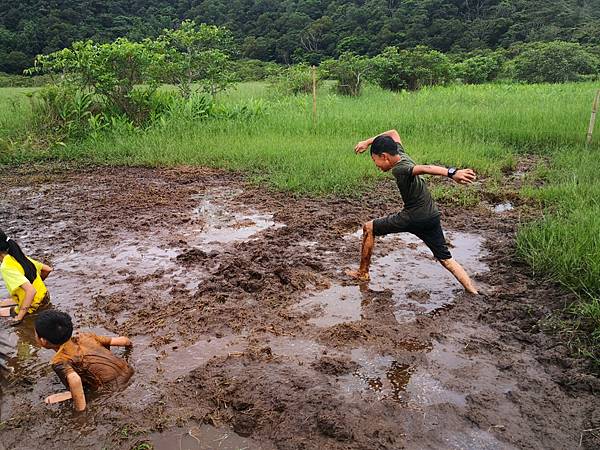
(83, 360)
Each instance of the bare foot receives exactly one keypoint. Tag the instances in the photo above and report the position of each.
(358, 275)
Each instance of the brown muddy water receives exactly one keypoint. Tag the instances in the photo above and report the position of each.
(247, 334)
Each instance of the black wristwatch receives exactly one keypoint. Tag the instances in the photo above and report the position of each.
(452, 171)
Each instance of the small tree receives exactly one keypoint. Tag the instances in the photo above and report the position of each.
(199, 54)
(411, 69)
(349, 71)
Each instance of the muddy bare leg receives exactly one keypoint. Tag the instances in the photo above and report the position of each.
(368, 242)
(459, 273)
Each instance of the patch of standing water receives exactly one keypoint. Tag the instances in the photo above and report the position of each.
(503, 207)
(390, 379)
(181, 361)
(203, 437)
(222, 225)
(419, 284)
(382, 375)
(337, 304)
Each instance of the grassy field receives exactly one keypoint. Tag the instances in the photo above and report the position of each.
(486, 127)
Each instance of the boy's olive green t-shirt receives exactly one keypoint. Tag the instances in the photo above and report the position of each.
(418, 202)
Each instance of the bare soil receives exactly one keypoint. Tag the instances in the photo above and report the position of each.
(248, 335)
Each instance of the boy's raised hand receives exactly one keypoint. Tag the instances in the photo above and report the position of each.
(361, 147)
(464, 176)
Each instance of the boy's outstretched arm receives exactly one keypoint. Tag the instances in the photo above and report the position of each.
(463, 176)
(363, 145)
(76, 388)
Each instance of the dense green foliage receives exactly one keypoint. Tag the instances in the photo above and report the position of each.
(290, 31)
(116, 84)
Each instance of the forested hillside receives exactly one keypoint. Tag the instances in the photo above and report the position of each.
(299, 30)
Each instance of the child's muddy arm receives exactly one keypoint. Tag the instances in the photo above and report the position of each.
(76, 388)
(363, 145)
(120, 341)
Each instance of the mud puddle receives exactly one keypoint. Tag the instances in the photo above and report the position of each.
(222, 225)
(241, 318)
(419, 284)
(203, 437)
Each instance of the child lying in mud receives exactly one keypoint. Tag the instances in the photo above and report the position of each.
(420, 215)
(24, 279)
(84, 360)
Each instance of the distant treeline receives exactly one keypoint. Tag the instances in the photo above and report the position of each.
(293, 31)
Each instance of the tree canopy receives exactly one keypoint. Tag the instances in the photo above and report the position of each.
(291, 31)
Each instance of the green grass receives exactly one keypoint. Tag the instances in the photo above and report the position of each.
(485, 127)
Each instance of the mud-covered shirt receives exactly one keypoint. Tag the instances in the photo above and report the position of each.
(90, 357)
(418, 202)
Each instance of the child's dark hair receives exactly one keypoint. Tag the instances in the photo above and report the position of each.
(12, 248)
(54, 326)
(385, 144)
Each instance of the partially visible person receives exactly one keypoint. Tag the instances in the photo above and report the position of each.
(81, 361)
(24, 279)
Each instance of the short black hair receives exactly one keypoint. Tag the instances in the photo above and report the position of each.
(54, 326)
(384, 144)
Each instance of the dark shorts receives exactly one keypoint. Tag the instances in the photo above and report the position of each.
(429, 231)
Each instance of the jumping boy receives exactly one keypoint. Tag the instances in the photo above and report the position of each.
(420, 215)
(84, 360)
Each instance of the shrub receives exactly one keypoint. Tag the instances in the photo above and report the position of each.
(553, 62)
(256, 70)
(411, 69)
(478, 69)
(296, 80)
(349, 71)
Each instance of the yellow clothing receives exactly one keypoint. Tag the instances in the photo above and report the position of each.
(14, 277)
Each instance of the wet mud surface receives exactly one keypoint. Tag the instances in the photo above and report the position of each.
(247, 334)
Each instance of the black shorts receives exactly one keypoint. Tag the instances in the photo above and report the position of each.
(428, 230)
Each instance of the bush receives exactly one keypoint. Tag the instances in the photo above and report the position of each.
(553, 62)
(109, 72)
(8, 80)
(256, 70)
(116, 84)
(478, 69)
(296, 80)
(349, 71)
(411, 69)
